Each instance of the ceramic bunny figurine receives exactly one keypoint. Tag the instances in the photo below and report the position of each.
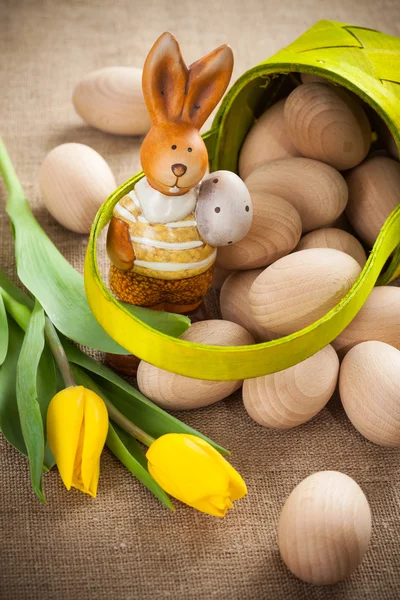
(162, 236)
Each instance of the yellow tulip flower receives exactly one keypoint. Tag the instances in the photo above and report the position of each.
(191, 470)
(77, 426)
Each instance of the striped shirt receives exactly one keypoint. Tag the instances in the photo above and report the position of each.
(165, 250)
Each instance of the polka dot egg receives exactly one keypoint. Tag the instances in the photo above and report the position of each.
(224, 211)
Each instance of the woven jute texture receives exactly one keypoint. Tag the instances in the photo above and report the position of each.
(124, 545)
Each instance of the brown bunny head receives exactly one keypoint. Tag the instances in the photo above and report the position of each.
(180, 99)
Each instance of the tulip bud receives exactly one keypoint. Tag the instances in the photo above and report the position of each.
(191, 470)
(77, 426)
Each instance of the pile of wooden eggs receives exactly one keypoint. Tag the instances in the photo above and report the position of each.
(297, 262)
(320, 197)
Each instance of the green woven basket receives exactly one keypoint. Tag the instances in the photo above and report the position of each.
(364, 61)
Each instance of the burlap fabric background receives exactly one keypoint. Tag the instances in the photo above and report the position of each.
(124, 545)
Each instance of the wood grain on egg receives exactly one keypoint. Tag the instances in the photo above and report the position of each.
(324, 528)
(177, 392)
(385, 137)
(74, 182)
(311, 78)
(317, 191)
(111, 100)
(326, 123)
(378, 319)
(220, 275)
(342, 222)
(374, 191)
(274, 232)
(331, 237)
(300, 288)
(293, 396)
(267, 140)
(369, 386)
(234, 303)
(392, 146)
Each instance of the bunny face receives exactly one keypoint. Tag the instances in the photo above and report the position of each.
(180, 99)
(174, 158)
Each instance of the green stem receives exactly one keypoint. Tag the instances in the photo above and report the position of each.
(113, 412)
(12, 183)
(118, 418)
(19, 312)
(59, 353)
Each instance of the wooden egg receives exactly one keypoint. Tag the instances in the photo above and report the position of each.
(378, 319)
(342, 222)
(177, 392)
(374, 191)
(111, 100)
(385, 137)
(293, 396)
(326, 123)
(317, 192)
(220, 275)
(324, 528)
(74, 181)
(267, 140)
(300, 288)
(224, 209)
(274, 232)
(369, 385)
(234, 303)
(310, 78)
(391, 146)
(334, 238)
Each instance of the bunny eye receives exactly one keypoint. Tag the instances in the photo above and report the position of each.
(173, 147)
(189, 149)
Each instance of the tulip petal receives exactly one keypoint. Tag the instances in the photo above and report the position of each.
(95, 480)
(237, 486)
(212, 506)
(95, 429)
(192, 471)
(184, 469)
(64, 421)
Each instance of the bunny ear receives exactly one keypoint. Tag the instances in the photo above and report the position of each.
(208, 79)
(164, 79)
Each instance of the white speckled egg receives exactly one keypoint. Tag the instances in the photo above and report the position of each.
(224, 210)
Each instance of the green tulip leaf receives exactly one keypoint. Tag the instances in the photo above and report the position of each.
(56, 284)
(10, 424)
(3, 331)
(127, 450)
(19, 312)
(12, 290)
(9, 417)
(130, 402)
(31, 413)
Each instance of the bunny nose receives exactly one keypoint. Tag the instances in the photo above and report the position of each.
(178, 170)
